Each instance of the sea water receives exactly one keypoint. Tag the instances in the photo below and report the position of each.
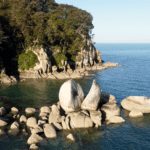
(132, 77)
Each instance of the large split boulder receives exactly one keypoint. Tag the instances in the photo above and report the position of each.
(70, 96)
(138, 103)
(92, 100)
(79, 120)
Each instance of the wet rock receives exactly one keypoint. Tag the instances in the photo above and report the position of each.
(110, 108)
(80, 120)
(135, 114)
(96, 117)
(43, 114)
(71, 137)
(37, 130)
(34, 139)
(92, 100)
(32, 122)
(23, 119)
(57, 126)
(14, 110)
(54, 116)
(45, 109)
(139, 103)
(49, 131)
(14, 125)
(33, 147)
(14, 128)
(2, 111)
(64, 126)
(2, 132)
(115, 120)
(30, 111)
(41, 122)
(2, 123)
(70, 96)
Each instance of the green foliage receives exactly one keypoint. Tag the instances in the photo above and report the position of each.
(59, 57)
(42, 22)
(27, 60)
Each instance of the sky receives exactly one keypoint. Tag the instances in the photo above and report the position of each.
(117, 21)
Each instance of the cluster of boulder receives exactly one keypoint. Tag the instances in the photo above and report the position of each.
(136, 105)
(73, 111)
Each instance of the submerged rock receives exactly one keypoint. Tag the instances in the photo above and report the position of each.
(70, 96)
(2, 111)
(33, 147)
(135, 114)
(2, 123)
(139, 103)
(92, 100)
(71, 137)
(115, 119)
(34, 139)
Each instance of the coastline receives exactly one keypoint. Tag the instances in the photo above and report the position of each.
(76, 74)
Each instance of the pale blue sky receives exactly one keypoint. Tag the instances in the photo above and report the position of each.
(117, 20)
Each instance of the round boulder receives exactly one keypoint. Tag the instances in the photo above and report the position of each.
(139, 103)
(30, 111)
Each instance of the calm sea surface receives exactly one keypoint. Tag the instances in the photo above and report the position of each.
(131, 78)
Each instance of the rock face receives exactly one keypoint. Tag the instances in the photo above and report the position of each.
(70, 96)
(109, 107)
(92, 100)
(44, 63)
(138, 103)
(79, 120)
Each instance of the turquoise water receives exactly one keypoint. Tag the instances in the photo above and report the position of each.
(131, 78)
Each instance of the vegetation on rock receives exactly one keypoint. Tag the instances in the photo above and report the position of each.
(27, 60)
(26, 23)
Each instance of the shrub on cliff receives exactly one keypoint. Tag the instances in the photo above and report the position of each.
(27, 60)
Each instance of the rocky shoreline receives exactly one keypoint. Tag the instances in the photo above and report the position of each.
(70, 74)
(74, 110)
